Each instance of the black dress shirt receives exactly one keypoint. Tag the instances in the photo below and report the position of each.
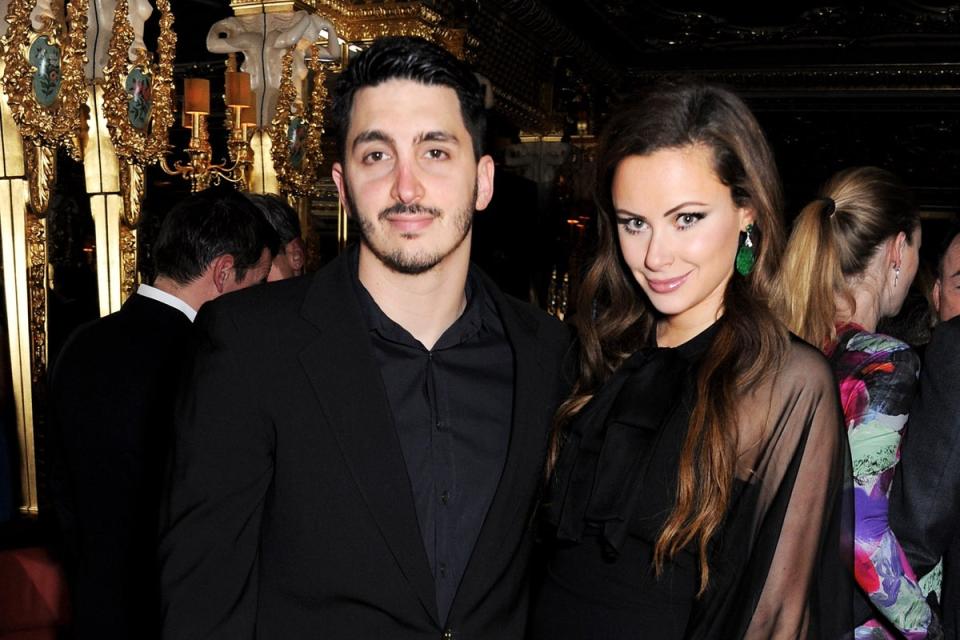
(452, 408)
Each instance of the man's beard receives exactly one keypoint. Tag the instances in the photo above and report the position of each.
(397, 260)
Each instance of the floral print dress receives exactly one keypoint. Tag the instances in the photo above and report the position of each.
(877, 375)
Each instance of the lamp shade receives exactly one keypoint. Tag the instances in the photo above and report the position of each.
(238, 89)
(196, 95)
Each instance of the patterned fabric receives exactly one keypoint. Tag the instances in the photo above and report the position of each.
(877, 375)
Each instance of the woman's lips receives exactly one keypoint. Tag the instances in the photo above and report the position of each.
(668, 285)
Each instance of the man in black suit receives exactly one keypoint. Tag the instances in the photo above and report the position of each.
(112, 396)
(925, 498)
(359, 453)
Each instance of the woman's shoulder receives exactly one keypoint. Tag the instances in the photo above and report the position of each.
(865, 352)
(804, 367)
(872, 343)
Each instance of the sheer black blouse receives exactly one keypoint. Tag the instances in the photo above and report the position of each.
(778, 568)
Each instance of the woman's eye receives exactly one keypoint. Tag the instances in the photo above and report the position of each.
(632, 225)
(685, 220)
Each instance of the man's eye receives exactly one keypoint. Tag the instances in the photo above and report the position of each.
(436, 154)
(374, 156)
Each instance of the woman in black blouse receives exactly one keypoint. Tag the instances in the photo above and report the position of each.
(697, 472)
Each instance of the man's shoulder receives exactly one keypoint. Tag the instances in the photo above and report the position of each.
(948, 333)
(129, 339)
(537, 322)
(277, 304)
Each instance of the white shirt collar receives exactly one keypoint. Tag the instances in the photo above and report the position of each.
(153, 293)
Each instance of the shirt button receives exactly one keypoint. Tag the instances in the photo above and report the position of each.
(443, 569)
(439, 425)
(448, 634)
(445, 497)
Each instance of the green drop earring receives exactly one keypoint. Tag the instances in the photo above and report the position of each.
(745, 254)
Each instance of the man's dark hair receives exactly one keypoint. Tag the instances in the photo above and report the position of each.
(410, 58)
(208, 224)
(280, 215)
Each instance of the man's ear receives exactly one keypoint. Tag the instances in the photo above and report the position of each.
(221, 268)
(935, 294)
(484, 182)
(295, 252)
(340, 180)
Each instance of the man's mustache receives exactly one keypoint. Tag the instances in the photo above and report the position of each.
(411, 209)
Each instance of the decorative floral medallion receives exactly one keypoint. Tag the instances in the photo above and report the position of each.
(44, 57)
(296, 141)
(139, 86)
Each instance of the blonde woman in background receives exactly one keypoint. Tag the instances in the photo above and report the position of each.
(849, 262)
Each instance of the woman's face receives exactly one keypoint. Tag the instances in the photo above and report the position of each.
(679, 231)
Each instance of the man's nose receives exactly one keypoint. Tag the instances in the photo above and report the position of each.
(407, 187)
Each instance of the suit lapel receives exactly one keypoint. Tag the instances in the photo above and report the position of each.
(511, 504)
(346, 378)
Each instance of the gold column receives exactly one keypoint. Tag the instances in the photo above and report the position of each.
(101, 168)
(14, 195)
(40, 108)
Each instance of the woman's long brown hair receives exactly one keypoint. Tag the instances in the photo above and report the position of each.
(615, 318)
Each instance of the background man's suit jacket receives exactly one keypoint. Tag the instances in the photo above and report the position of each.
(291, 513)
(925, 498)
(112, 396)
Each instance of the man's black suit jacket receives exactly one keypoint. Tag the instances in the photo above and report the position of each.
(112, 395)
(291, 513)
(925, 497)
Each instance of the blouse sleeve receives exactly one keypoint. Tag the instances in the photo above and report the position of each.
(876, 399)
(803, 510)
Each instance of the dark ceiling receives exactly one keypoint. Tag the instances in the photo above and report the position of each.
(834, 84)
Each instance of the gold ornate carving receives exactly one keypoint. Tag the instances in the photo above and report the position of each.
(128, 261)
(132, 188)
(36, 237)
(366, 22)
(297, 168)
(40, 165)
(59, 122)
(245, 7)
(56, 118)
(146, 145)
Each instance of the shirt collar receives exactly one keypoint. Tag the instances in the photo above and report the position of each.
(464, 328)
(168, 299)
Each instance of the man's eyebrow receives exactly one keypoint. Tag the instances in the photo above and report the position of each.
(371, 135)
(436, 136)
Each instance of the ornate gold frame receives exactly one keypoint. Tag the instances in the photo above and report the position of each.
(32, 132)
(135, 146)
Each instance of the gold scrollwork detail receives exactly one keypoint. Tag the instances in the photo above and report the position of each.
(128, 261)
(132, 188)
(367, 22)
(46, 95)
(36, 237)
(297, 129)
(40, 164)
(147, 143)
